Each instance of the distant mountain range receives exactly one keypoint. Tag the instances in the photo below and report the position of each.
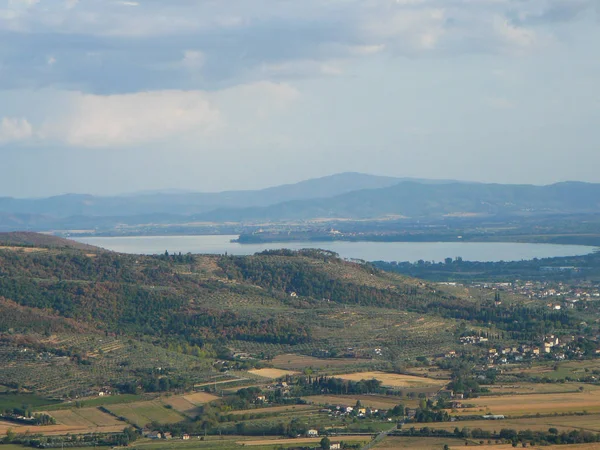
(342, 196)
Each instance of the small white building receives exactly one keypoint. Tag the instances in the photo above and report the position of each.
(312, 433)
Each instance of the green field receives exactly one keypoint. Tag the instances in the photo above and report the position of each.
(143, 413)
(29, 401)
(95, 401)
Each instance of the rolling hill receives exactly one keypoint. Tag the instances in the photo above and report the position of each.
(348, 196)
(68, 303)
(418, 200)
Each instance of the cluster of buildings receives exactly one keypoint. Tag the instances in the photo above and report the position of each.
(166, 435)
(563, 347)
(556, 294)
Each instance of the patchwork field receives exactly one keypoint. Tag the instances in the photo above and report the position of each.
(300, 362)
(528, 404)
(395, 380)
(188, 404)
(142, 413)
(272, 373)
(75, 421)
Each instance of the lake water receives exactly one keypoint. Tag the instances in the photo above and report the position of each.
(369, 251)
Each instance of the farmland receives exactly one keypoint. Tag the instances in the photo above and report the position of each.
(392, 443)
(530, 404)
(188, 404)
(373, 401)
(395, 380)
(192, 344)
(142, 413)
(272, 373)
(71, 422)
(301, 362)
(593, 446)
(313, 441)
(562, 423)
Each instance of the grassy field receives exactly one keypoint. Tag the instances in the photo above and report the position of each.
(301, 362)
(272, 373)
(93, 402)
(373, 401)
(419, 443)
(563, 423)
(529, 404)
(395, 380)
(539, 388)
(560, 371)
(142, 413)
(30, 401)
(274, 409)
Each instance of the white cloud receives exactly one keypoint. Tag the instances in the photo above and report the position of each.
(22, 3)
(301, 68)
(96, 121)
(366, 49)
(516, 37)
(413, 29)
(122, 120)
(14, 129)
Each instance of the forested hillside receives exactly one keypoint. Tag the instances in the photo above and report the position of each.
(309, 302)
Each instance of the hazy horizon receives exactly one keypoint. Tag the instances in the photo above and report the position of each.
(168, 190)
(125, 96)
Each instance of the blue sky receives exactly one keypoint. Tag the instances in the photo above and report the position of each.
(105, 97)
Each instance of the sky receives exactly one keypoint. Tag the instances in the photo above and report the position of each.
(112, 96)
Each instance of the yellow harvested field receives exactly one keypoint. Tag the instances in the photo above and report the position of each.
(292, 441)
(272, 373)
(182, 405)
(200, 398)
(520, 405)
(562, 423)
(188, 404)
(75, 421)
(301, 362)
(372, 401)
(394, 380)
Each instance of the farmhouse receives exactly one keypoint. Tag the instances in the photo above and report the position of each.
(493, 417)
(312, 433)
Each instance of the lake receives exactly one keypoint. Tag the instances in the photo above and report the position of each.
(369, 251)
